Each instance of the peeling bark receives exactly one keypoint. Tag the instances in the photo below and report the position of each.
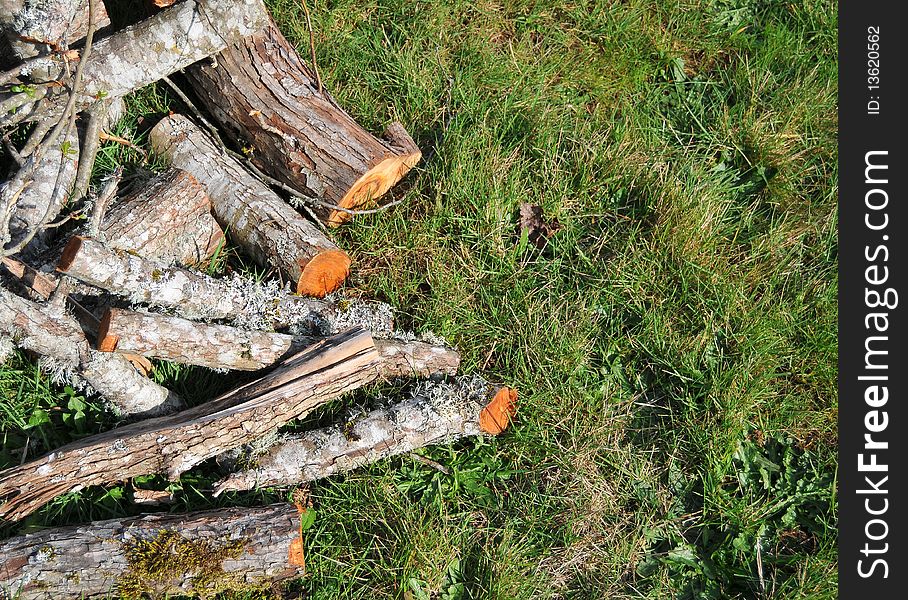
(56, 335)
(174, 444)
(242, 548)
(261, 91)
(438, 413)
(268, 228)
(168, 219)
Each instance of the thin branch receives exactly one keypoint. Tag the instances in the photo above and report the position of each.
(108, 192)
(318, 77)
(90, 144)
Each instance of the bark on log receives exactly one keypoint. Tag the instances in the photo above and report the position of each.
(198, 553)
(168, 219)
(175, 443)
(158, 46)
(261, 91)
(39, 200)
(222, 347)
(25, 22)
(196, 296)
(57, 336)
(268, 228)
(438, 413)
(183, 341)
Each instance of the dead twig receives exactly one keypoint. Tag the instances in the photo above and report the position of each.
(318, 78)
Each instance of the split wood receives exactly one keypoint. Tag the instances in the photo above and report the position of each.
(173, 444)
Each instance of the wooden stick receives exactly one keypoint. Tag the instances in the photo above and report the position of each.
(194, 295)
(187, 342)
(269, 229)
(197, 554)
(175, 443)
(222, 347)
(56, 335)
(168, 219)
(260, 91)
(438, 413)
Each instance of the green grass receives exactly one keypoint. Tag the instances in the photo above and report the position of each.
(674, 344)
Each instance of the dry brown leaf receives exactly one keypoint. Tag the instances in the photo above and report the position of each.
(532, 221)
(496, 416)
(163, 3)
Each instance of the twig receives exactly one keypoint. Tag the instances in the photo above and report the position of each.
(303, 197)
(90, 145)
(108, 192)
(16, 101)
(109, 137)
(318, 77)
(11, 150)
(430, 463)
(28, 63)
(63, 127)
(40, 130)
(185, 99)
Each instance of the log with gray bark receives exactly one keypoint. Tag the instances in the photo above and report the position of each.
(168, 219)
(261, 92)
(223, 347)
(55, 335)
(154, 48)
(173, 444)
(253, 216)
(193, 295)
(197, 554)
(187, 342)
(438, 413)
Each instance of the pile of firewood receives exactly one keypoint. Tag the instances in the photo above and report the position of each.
(95, 298)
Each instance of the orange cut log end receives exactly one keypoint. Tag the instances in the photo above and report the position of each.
(69, 253)
(106, 341)
(374, 184)
(497, 414)
(324, 274)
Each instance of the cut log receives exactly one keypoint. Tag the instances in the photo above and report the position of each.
(168, 219)
(438, 413)
(55, 335)
(256, 218)
(157, 555)
(262, 92)
(222, 347)
(156, 47)
(173, 444)
(187, 342)
(196, 296)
